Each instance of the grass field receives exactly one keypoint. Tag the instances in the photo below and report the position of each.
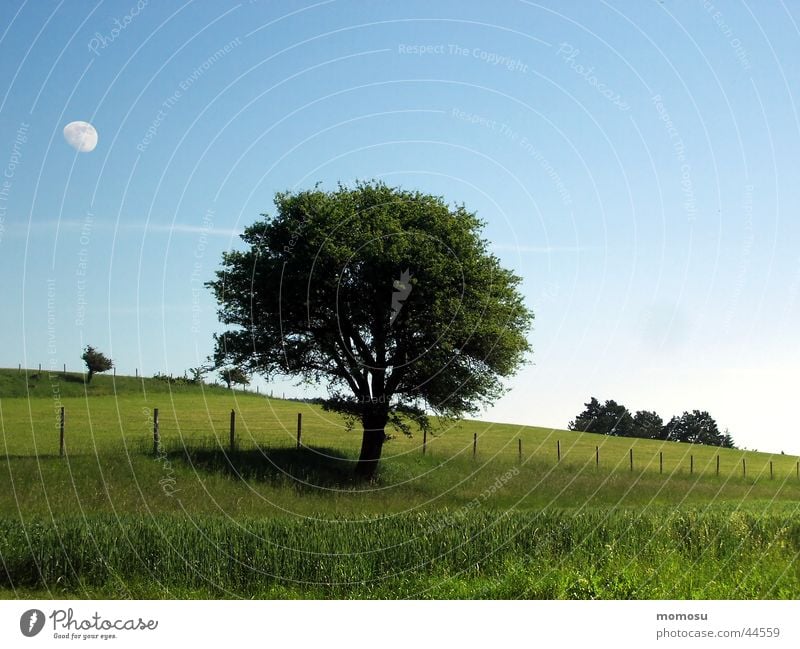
(113, 519)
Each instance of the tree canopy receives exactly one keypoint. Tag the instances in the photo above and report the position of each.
(697, 427)
(234, 376)
(388, 297)
(612, 418)
(95, 362)
(609, 418)
(648, 424)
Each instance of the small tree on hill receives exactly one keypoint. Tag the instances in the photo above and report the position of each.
(95, 362)
(727, 441)
(197, 374)
(234, 376)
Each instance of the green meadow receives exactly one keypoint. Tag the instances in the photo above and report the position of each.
(488, 510)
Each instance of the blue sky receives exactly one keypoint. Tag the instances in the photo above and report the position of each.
(635, 162)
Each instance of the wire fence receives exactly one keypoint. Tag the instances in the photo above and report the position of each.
(228, 438)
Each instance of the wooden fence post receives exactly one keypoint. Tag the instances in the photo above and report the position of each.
(797, 468)
(40, 368)
(156, 436)
(661, 461)
(519, 448)
(233, 430)
(691, 464)
(744, 468)
(474, 444)
(61, 434)
(631, 456)
(136, 369)
(424, 440)
(558, 449)
(299, 427)
(597, 457)
(717, 464)
(770, 469)
(65, 369)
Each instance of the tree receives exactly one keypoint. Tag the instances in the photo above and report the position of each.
(648, 424)
(727, 441)
(197, 373)
(95, 362)
(696, 427)
(609, 418)
(234, 376)
(586, 421)
(390, 297)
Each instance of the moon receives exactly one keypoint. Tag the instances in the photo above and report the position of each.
(81, 136)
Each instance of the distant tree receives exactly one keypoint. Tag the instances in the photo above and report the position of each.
(727, 440)
(586, 420)
(696, 427)
(197, 373)
(609, 418)
(95, 362)
(647, 424)
(234, 376)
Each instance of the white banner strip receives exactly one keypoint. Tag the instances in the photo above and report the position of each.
(346, 624)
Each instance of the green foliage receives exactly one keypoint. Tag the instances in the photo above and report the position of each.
(696, 427)
(197, 374)
(95, 362)
(176, 380)
(647, 424)
(656, 554)
(388, 297)
(727, 440)
(234, 376)
(612, 418)
(609, 418)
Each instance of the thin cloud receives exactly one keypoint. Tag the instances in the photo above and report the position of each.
(542, 250)
(69, 225)
(180, 228)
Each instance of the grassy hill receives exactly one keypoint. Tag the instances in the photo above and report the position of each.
(112, 486)
(42, 384)
(114, 413)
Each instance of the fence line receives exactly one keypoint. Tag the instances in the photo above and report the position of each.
(156, 436)
(233, 430)
(299, 428)
(62, 424)
(232, 445)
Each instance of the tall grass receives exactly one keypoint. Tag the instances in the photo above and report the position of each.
(618, 554)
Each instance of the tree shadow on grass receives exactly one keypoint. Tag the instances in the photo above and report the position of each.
(307, 468)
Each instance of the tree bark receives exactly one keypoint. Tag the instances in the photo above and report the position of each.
(371, 445)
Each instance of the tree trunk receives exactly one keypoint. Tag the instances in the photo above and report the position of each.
(89, 379)
(371, 446)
